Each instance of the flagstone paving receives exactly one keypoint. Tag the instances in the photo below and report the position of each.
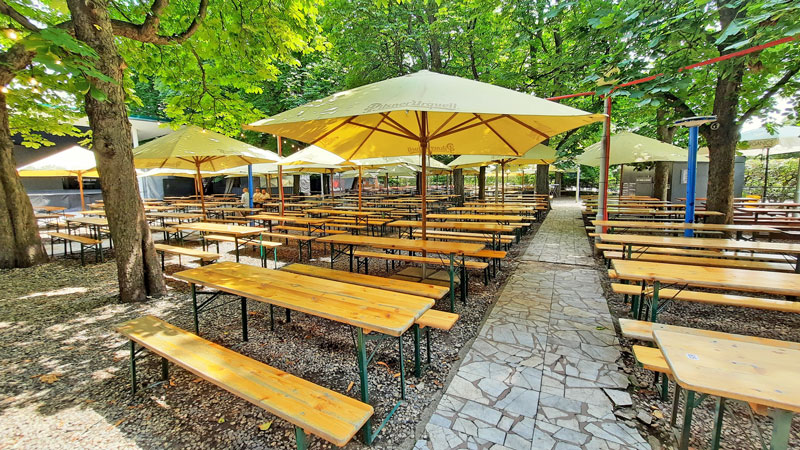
(543, 372)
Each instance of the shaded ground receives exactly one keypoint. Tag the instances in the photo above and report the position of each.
(64, 382)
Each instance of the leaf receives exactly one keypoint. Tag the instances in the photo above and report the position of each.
(97, 94)
(265, 426)
(221, 420)
(600, 327)
(97, 26)
(350, 386)
(734, 28)
(50, 378)
(658, 414)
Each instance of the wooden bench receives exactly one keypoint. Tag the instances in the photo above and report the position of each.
(68, 239)
(167, 230)
(310, 408)
(651, 358)
(699, 253)
(302, 240)
(471, 265)
(229, 220)
(626, 289)
(202, 255)
(708, 262)
(727, 300)
(476, 237)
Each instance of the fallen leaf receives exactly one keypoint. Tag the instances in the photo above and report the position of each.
(600, 327)
(265, 426)
(50, 378)
(253, 313)
(221, 420)
(197, 380)
(117, 423)
(350, 386)
(381, 363)
(396, 375)
(658, 414)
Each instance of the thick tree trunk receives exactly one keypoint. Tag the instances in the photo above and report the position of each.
(661, 179)
(558, 177)
(482, 183)
(20, 244)
(296, 184)
(458, 186)
(542, 180)
(138, 265)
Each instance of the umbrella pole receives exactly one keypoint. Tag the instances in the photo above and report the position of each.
(360, 183)
(200, 185)
(766, 174)
(496, 187)
(269, 185)
(80, 186)
(621, 182)
(503, 168)
(330, 182)
(280, 174)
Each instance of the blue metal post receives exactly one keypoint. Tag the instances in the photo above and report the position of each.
(691, 180)
(250, 182)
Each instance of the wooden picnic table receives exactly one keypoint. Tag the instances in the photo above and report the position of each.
(629, 240)
(495, 230)
(242, 210)
(235, 231)
(93, 223)
(765, 282)
(312, 223)
(451, 249)
(744, 370)
(738, 229)
(50, 208)
(360, 216)
(363, 308)
(501, 218)
(494, 209)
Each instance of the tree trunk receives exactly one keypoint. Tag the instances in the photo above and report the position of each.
(542, 180)
(20, 244)
(138, 265)
(558, 177)
(458, 186)
(482, 183)
(296, 184)
(661, 179)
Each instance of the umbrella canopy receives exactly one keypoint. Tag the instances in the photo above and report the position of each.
(73, 162)
(539, 154)
(66, 163)
(263, 168)
(783, 140)
(194, 148)
(185, 173)
(426, 113)
(313, 155)
(460, 117)
(630, 148)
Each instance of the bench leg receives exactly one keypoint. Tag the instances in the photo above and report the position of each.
(781, 425)
(361, 356)
(164, 369)
(716, 433)
(428, 343)
(271, 317)
(300, 438)
(288, 315)
(244, 319)
(676, 400)
(83, 261)
(163, 267)
(133, 368)
(683, 443)
(417, 362)
(194, 309)
(402, 368)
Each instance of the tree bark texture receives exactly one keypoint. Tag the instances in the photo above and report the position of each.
(661, 179)
(542, 180)
(138, 265)
(295, 185)
(482, 183)
(458, 186)
(20, 244)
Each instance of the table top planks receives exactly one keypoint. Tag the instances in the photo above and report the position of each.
(220, 228)
(706, 243)
(478, 217)
(414, 245)
(683, 226)
(359, 306)
(740, 370)
(777, 283)
(486, 227)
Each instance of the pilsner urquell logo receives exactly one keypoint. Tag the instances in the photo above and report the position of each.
(446, 148)
(409, 105)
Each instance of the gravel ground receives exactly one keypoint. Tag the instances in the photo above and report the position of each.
(64, 382)
(737, 432)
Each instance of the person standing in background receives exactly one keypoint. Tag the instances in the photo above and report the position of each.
(245, 200)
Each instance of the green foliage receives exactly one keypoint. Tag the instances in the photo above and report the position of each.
(782, 181)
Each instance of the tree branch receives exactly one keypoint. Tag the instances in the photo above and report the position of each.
(12, 61)
(17, 17)
(679, 105)
(758, 104)
(148, 31)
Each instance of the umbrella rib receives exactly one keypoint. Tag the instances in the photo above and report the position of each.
(350, 119)
(499, 136)
(367, 137)
(444, 123)
(527, 126)
(382, 131)
(463, 126)
(399, 127)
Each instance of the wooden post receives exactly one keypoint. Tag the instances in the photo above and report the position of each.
(200, 185)
(280, 174)
(80, 186)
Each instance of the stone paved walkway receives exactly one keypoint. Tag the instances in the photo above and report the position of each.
(542, 373)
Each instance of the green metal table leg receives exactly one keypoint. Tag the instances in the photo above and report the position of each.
(676, 400)
(683, 443)
(244, 319)
(664, 387)
(300, 438)
(716, 432)
(275, 256)
(428, 343)
(133, 368)
(271, 317)
(417, 362)
(288, 315)
(452, 285)
(361, 356)
(654, 302)
(236, 244)
(402, 368)
(194, 309)
(164, 369)
(781, 426)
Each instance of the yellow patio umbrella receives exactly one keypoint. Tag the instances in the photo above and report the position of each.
(313, 159)
(73, 162)
(426, 113)
(539, 154)
(198, 149)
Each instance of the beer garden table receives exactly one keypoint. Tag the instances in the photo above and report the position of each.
(655, 226)
(235, 231)
(388, 315)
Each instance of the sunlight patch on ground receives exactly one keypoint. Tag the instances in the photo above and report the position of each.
(57, 292)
